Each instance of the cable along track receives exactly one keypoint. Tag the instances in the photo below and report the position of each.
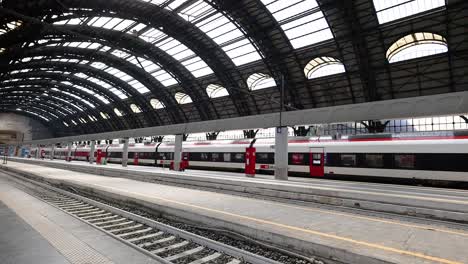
(164, 243)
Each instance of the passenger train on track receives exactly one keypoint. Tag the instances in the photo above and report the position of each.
(440, 158)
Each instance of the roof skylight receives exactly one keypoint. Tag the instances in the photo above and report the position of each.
(118, 112)
(215, 91)
(154, 36)
(259, 81)
(156, 104)
(302, 21)
(416, 45)
(388, 11)
(182, 98)
(10, 26)
(323, 66)
(222, 30)
(135, 108)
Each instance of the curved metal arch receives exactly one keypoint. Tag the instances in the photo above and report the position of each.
(265, 31)
(170, 23)
(113, 123)
(29, 99)
(139, 74)
(35, 93)
(87, 54)
(45, 107)
(73, 79)
(187, 81)
(111, 97)
(65, 66)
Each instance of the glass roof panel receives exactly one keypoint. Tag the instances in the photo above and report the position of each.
(215, 91)
(218, 27)
(388, 11)
(10, 26)
(154, 36)
(416, 45)
(135, 108)
(118, 112)
(259, 81)
(302, 21)
(323, 66)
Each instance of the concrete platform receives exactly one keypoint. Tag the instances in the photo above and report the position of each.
(445, 204)
(342, 237)
(32, 231)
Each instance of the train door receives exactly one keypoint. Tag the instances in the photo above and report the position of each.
(317, 162)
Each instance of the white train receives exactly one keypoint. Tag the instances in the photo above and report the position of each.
(442, 158)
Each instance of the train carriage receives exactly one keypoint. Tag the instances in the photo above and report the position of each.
(442, 158)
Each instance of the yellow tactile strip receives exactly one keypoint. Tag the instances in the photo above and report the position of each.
(73, 249)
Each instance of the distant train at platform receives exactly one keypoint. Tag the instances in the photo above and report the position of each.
(440, 158)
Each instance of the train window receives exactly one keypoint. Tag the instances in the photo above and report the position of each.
(298, 158)
(374, 160)
(238, 157)
(405, 161)
(227, 157)
(348, 160)
(216, 157)
(261, 158)
(204, 156)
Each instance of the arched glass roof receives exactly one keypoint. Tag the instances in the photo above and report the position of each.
(259, 81)
(416, 45)
(132, 56)
(147, 65)
(171, 46)
(103, 83)
(323, 66)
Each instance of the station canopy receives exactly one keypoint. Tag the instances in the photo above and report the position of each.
(82, 66)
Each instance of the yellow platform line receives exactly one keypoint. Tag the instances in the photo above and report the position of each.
(309, 231)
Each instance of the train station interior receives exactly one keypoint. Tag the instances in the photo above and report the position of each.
(233, 131)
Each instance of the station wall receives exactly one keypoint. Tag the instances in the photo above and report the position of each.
(16, 128)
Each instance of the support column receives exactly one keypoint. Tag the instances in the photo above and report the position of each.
(52, 151)
(125, 152)
(69, 152)
(178, 152)
(281, 153)
(91, 151)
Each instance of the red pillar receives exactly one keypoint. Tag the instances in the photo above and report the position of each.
(250, 160)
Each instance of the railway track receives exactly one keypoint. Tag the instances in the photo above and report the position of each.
(162, 242)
